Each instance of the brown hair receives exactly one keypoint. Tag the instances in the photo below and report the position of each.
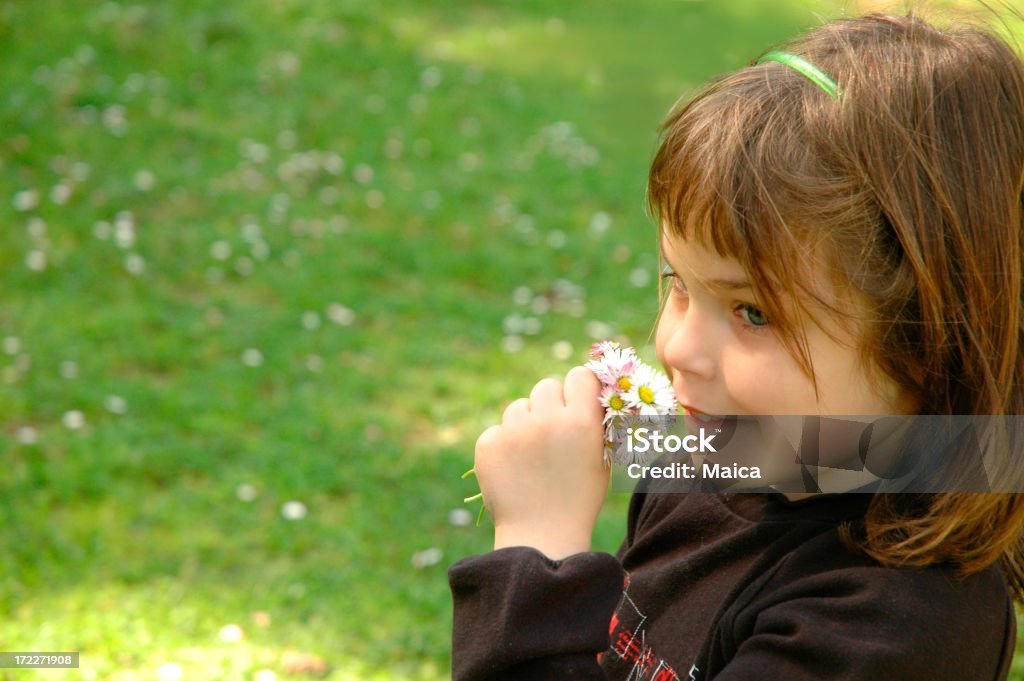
(910, 189)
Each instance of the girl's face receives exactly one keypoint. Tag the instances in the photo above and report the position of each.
(724, 358)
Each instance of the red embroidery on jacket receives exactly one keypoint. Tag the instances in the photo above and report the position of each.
(628, 637)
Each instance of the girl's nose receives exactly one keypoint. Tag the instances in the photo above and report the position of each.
(690, 344)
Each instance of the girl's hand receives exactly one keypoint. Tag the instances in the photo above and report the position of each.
(542, 470)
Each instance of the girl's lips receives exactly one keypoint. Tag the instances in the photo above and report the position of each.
(703, 416)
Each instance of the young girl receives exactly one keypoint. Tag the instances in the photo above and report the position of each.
(842, 224)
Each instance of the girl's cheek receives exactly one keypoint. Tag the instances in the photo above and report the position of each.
(661, 337)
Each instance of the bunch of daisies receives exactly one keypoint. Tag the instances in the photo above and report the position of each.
(633, 394)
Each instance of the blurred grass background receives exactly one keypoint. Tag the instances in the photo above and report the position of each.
(268, 267)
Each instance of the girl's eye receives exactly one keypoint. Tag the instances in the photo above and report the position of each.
(677, 284)
(752, 315)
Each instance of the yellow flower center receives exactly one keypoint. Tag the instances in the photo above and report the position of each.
(624, 383)
(616, 402)
(645, 394)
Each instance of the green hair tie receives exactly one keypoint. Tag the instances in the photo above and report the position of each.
(812, 72)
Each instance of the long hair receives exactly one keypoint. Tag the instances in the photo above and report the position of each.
(909, 189)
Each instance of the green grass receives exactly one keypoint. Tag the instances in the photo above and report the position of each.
(370, 195)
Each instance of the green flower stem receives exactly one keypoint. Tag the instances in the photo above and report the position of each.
(483, 507)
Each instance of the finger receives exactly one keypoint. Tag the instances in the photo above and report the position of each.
(486, 440)
(582, 389)
(547, 394)
(516, 412)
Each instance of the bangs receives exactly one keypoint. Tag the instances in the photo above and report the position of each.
(743, 170)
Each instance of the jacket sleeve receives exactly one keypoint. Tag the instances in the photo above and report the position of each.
(860, 624)
(520, 615)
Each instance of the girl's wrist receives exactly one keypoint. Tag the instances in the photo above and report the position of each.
(555, 546)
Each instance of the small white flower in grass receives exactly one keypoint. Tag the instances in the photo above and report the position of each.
(334, 164)
(169, 671)
(287, 139)
(562, 350)
(640, 277)
(68, 370)
(600, 222)
(522, 295)
(27, 435)
(36, 229)
(427, 557)
(314, 363)
(329, 196)
(430, 199)
(124, 229)
(102, 230)
(251, 357)
(293, 510)
(340, 315)
(245, 492)
(363, 173)
(220, 250)
(598, 329)
(260, 251)
(265, 675)
(430, 78)
(513, 323)
(80, 171)
(244, 266)
(310, 321)
(374, 198)
(26, 200)
(460, 517)
(61, 193)
(512, 343)
(36, 261)
(393, 147)
(134, 264)
(651, 393)
(469, 161)
(12, 345)
(289, 64)
(73, 419)
(252, 232)
(418, 104)
(144, 180)
(115, 404)
(525, 224)
(231, 633)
